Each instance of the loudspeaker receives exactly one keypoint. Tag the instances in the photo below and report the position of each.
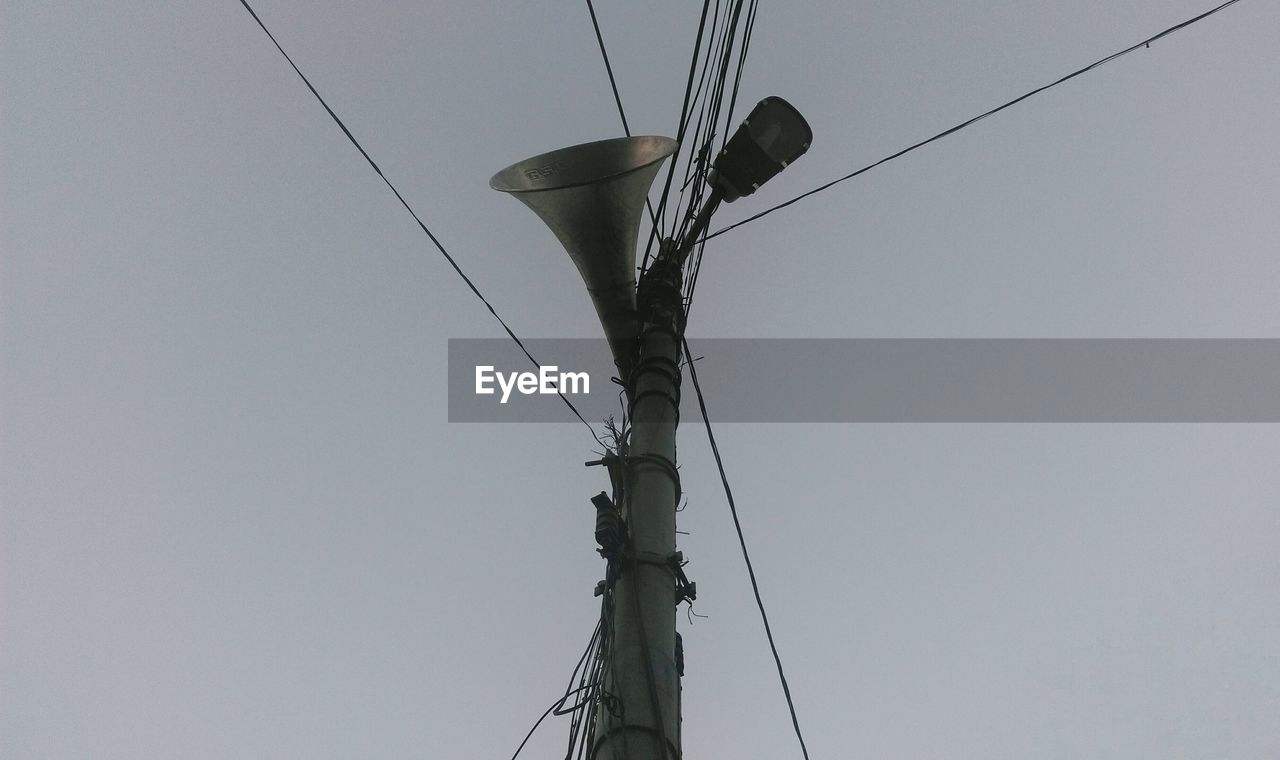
(592, 197)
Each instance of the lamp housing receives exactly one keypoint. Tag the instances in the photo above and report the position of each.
(771, 137)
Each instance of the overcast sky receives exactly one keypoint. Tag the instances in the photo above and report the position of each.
(237, 524)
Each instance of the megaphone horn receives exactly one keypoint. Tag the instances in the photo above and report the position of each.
(592, 197)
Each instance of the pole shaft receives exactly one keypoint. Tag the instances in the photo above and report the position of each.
(643, 670)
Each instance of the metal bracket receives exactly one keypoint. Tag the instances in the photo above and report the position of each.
(686, 590)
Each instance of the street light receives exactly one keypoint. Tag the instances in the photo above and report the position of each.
(774, 135)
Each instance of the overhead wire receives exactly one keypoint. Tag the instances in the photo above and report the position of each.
(709, 90)
(746, 556)
(680, 130)
(594, 671)
(713, 101)
(1100, 62)
(590, 692)
(550, 710)
(716, 78)
(704, 100)
(748, 28)
(694, 267)
(680, 220)
(698, 102)
(697, 164)
(613, 84)
(422, 225)
(583, 711)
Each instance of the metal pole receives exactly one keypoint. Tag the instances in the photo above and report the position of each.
(642, 673)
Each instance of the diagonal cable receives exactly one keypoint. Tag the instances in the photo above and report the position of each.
(680, 132)
(1102, 61)
(452, 262)
(733, 510)
(613, 83)
(595, 23)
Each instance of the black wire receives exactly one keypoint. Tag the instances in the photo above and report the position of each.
(651, 678)
(596, 676)
(604, 54)
(1145, 43)
(709, 111)
(737, 526)
(727, 46)
(554, 706)
(684, 122)
(695, 261)
(592, 644)
(608, 673)
(452, 262)
(742, 59)
(589, 686)
(706, 107)
(595, 23)
(695, 268)
(704, 76)
(704, 132)
(580, 710)
(710, 115)
(588, 681)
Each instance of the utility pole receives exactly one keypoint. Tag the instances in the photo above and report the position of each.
(646, 659)
(642, 674)
(592, 196)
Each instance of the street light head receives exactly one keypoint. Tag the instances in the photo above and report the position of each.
(774, 135)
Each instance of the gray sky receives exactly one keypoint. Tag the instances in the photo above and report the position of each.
(237, 524)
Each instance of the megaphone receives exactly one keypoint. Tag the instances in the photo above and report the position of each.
(592, 197)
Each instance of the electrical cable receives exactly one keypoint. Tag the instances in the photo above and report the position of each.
(715, 96)
(554, 706)
(733, 511)
(594, 642)
(595, 23)
(1100, 62)
(590, 686)
(607, 671)
(651, 677)
(710, 114)
(708, 111)
(452, 262)
(579, 712)
(695, 260)
(699, 162)
(742, 59)
(684, 117)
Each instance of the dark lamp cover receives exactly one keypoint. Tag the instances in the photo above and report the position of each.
(774, 135)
